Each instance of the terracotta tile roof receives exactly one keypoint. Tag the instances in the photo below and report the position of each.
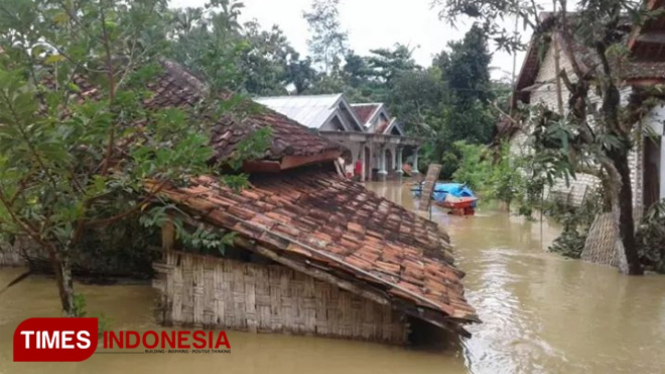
(289, 138)
(636, 69)
(179, 88)
(314, 215)
(365, 111)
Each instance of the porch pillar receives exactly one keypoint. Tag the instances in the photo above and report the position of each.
(415, 161)
(364, 160)
(370, 161)
(661, 180)
(399, 160)
(382, 163)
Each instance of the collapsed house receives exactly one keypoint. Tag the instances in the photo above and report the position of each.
(314, 253)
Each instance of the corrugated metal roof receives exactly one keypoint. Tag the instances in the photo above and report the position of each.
(311, 111)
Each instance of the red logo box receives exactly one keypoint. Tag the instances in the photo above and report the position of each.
(55, 339)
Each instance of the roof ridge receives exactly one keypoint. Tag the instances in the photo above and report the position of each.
(295, 96)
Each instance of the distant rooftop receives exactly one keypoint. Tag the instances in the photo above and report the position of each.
(365, 111)
(312, 111)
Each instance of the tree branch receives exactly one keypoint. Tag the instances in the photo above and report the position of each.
(25, 137)
(145, 200)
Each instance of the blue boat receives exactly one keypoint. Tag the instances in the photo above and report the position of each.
(441, 190)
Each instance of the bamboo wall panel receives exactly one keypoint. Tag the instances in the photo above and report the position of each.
(220, 293)
(600, 245)
(12, 254)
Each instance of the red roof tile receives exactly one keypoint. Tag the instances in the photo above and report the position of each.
(365, 111)
(315, 215)
(179, 88)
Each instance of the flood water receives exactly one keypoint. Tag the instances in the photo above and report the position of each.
(541, 314)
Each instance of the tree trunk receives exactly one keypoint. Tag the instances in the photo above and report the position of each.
(63, 276)
(625, 205)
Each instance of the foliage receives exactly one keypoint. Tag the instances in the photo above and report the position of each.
(570, 243)
(576, 222)
(211, 42)
(506, 181)
(81, 310)
(496, 178)
(207, 41)
(328, 42)
(463, 111)
(650, 238)
(475, 169)
(581, 139)
(73, 163)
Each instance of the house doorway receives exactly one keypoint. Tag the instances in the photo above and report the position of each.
(388, 162)
(652, 150)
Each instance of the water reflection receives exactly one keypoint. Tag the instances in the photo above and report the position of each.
(541, 314)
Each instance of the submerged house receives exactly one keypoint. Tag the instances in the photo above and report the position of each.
(646, 68)
(367, 131)
(315, 253)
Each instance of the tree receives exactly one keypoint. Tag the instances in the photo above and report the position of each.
(581, 140)
(468, 72)
(356, 70)
(264, 64)
(208, 41)
(301, 74)
(76, 144)
(328, 42)
(387, 64)
(417, 98)
(457, 107)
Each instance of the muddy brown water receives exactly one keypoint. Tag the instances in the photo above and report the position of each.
(541, 314)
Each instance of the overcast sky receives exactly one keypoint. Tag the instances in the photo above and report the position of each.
(371, 24)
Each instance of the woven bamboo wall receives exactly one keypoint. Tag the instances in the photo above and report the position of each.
(11, 255)
(600, 245)
(221, 293)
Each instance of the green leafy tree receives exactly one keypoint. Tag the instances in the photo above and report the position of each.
(388, 64)
(76, 145)
(208, 41)
(265, 62)
(301, 74)
(468, 79)
(581, 139)
(328, 41)
(461, 111)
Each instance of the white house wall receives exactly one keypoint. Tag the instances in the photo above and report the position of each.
(656, 122)
(546, 94)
